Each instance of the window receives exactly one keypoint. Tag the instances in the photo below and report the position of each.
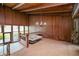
(7, 32)
(7, 28)
(22, 29)
(7, 37)
(15, 33)
(26, 29)
(1, 37)
(0, 29)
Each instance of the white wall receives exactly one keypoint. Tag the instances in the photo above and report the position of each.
(34, 29)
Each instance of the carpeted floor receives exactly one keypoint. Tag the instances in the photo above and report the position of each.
(49, 47)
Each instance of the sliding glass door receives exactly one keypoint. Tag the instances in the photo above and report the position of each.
(5, 37)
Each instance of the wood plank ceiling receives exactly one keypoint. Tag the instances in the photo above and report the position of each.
(38, 8)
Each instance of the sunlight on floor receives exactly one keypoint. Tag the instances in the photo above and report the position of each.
(14, 47)
(49, 47)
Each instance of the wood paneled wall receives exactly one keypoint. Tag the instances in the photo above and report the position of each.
(1, 15)
(59, 26)
(9, 16)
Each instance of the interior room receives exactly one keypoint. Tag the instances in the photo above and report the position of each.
(39, 29)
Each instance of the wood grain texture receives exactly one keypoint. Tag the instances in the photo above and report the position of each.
(9, 16)
(39, 8)
(58, 26)
(1, 15)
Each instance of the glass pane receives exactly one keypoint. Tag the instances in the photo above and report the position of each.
(7, 28)
(7, 37)
(26, 29)
(15, 28)
(22, 29)
(15, 36)
(3, 50)
(1, 37)
(15, 33)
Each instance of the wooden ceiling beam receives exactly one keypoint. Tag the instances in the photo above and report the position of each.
(17, 6)
(43, 7)
(49, 12)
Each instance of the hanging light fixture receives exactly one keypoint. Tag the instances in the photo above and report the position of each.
(45, 23)
(37, 23)
(41, 23)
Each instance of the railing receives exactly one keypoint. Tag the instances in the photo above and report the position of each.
(75, 37)
(8, 49)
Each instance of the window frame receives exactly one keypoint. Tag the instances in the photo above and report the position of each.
(11, 33)
(17, 31)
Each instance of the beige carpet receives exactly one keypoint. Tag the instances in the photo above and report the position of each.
(49, 47)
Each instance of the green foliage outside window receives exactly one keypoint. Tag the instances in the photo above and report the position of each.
(1, 36)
